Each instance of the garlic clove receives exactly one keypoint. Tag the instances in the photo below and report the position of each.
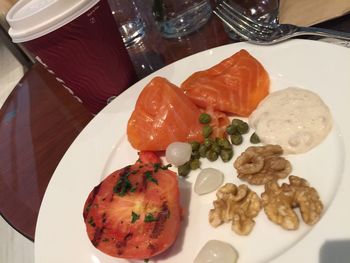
(215, 251)
(208, 180)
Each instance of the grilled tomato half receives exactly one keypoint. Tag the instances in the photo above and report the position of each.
(135, 212)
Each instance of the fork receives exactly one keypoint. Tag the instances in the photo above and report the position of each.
(266, 33)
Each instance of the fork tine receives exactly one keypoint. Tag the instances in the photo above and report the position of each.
(224, 19)
(233, 25)
(242, 25)
(251, 22)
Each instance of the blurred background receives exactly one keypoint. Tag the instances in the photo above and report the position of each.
(13, 61)
(13, 64)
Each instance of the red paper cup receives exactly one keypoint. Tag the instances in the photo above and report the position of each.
(78, 41)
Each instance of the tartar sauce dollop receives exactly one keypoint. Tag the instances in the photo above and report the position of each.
(297, 119)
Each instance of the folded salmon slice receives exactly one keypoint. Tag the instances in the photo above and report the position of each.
(235, 85)
(163, 114)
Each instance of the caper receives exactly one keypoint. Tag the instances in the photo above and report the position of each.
(207, 130)
(195, 164)
(236, 122)
(231, 129)
(216, 148)
(240, 126)
(254, 138)
(212, 156)
(195, 145)
(226, 155)
(184, 170)
(204, 118)
(243, 128)
(203, 150)
(236, 139)
(195, 155)
(208, 142)
(224, 143)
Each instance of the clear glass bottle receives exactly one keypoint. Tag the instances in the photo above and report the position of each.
(177, 18)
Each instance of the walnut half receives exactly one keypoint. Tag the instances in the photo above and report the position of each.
(236, 204)
(260, 164)
(279, 203)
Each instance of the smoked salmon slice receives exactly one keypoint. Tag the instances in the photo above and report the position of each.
(235, 85)
(163, 114)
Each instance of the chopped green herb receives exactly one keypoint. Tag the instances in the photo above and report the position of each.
(150, 177)
(134, 217)
(123, 184)
(104, 218)
(91, 222)
(158, 166)
(105, 240)
(146, 260)
(149, 218)
(87, 209)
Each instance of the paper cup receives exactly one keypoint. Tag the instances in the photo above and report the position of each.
(78, 41)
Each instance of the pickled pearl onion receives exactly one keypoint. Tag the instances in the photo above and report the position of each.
(215, 251)
(178, 153)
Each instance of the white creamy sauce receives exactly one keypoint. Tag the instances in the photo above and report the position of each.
(295, 118)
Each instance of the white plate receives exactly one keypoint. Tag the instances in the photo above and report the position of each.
(102, 147)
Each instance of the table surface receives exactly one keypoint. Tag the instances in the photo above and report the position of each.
(40, 119)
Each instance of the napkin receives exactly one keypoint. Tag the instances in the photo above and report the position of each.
(310, 12)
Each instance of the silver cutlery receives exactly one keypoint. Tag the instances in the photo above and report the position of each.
(266, 33)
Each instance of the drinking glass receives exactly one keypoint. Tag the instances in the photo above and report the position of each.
(129, 19)
(177, 18)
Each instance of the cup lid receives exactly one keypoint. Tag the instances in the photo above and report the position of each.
(30, 19)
